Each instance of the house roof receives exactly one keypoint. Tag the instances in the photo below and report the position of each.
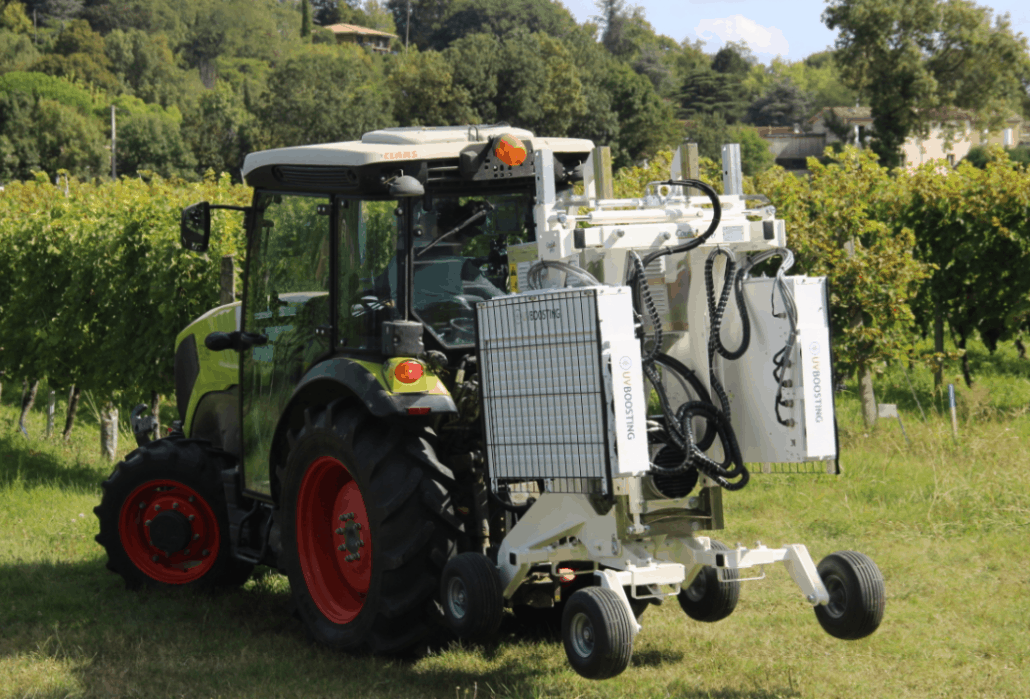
(782, 132)
(355, 29)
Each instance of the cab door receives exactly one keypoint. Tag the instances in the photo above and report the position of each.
(286, 299)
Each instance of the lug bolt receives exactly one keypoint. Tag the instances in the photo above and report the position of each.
(204, 552)
(357, 525)
(147, 523)
(154, 559)
(191, 517)
(175, 506)
(340, 530)
(186, 552)
(143, 506)
(191, 498)
(157, 508)
(196, 536)
(346, 516)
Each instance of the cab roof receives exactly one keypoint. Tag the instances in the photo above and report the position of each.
(407, 143)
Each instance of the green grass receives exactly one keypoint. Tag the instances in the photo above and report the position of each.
(947, 522)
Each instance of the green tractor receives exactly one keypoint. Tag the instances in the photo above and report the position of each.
(430, 406)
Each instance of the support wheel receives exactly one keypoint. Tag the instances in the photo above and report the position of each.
(711, 596)
(470, 590)
(597, 632)
(367, 528)
(164, 520)
(857, 596)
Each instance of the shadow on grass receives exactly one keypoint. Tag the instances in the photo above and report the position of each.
(77, 621)
(26, 461)
(679, 690)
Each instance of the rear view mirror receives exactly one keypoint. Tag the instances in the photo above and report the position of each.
(195, 227)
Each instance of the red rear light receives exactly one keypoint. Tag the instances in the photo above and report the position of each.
(408, 371)
(418, 411)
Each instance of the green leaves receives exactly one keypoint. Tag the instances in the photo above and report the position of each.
(93, 284)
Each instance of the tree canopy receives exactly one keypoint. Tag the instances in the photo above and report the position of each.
(917, 61)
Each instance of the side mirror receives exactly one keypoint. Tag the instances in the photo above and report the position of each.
(195, 227)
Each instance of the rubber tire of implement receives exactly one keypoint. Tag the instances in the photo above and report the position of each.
(478, 615)
(610, 647)
(408, 535)
(857, 595)
(184, 466)
(709, 598)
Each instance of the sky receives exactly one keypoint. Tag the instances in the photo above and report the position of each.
(788, 28)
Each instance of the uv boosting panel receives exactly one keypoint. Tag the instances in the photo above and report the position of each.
(810, 433)
(562, 387)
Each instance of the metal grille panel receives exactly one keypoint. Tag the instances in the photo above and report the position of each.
(545, 406)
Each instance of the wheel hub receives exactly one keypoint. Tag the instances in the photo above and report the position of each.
(333, 540)
(582, 635)
(170, 532)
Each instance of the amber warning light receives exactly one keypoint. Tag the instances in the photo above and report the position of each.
(408, 371)
(510, 150)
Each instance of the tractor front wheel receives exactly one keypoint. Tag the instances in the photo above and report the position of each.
(367, 527)
(163, 518)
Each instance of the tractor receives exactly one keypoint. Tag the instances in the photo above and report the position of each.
(463, 377)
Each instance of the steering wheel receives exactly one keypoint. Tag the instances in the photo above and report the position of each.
(463, 325)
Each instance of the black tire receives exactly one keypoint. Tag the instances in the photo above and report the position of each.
(711, 597)
(374, 587)
(471, 595)
(857, 595)
(187, 544)
(597, 633)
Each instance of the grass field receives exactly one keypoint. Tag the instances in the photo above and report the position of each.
(948, 524)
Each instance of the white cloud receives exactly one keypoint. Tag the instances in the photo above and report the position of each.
(764, 41)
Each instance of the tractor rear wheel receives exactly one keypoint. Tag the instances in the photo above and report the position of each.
(163, 517)
(367, 527)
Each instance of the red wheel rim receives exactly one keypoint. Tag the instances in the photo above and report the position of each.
(333, 541)
(190, 562)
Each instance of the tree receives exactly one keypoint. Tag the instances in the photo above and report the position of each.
(782, 104)
(14, 19)
(322, 95)
(149, 139)
(79, 55)
(735, 58)
(305, 19)
(706, 91)
(918, 59)
(424, 21)
(424, 92)
(146, 67)
(645, 120)
(220, 131)
(501, 18)
(16, 52)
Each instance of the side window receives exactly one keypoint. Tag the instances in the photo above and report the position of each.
(368, 247)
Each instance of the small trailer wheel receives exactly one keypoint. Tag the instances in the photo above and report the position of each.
(597, 632)
(710, 596)
(857, 596)
(470, 590)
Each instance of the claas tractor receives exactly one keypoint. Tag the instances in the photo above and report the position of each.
(463, 377)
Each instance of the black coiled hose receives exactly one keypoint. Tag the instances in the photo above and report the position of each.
(680, 428)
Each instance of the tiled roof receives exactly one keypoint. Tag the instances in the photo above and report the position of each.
(355, 29)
